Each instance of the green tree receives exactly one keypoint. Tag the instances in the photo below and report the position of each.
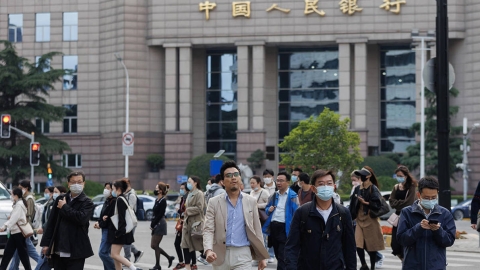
(256, 159)
(322, 142)
(200, 166)
(412, 158)
(23, 88)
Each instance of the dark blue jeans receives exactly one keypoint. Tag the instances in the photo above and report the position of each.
(104, 252)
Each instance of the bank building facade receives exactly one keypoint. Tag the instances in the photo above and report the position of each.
(238, 75)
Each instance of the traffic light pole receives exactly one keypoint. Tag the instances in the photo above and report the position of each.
(32, 138)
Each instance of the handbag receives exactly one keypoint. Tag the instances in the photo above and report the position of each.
(179, 225)
(130, 217)
(478, 221)
(384, 208)
(394, 218)
(261, 212)
(26, 229)
(197, 230)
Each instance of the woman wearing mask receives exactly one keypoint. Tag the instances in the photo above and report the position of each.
(178, 235)
(59, 190)
(16, 241)
(368, 233)
(103, 224)
(159, 225)
(119, 237)
(403, 195)
(193, 213)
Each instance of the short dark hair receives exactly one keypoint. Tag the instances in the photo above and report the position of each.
(75, 173)
(297, 170)
(257, 178)
(196, 179)
(62, 189)
(217, 178)
(428, 182)
(268, 171)
(50, 189)
(18, 191)
(321, 173)
(284, 173)
(303, 177)
(228, 164)
(108, 184)
(184, 184)
(121, 184)
(26, 184)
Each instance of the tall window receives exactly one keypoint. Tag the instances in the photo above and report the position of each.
(72, 160)
(42, 126)
(308, 82)
(70, 26)
(42, 27)
(222, 102)
(70, 119)
(15, 27)
(70, 62)
(398, 95)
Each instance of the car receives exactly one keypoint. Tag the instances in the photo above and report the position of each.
(41, 200)
(148, 203)
(5, 210)
(462, 210)
(98, 199)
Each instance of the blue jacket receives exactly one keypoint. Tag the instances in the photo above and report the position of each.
(290, 208)
(425, 249)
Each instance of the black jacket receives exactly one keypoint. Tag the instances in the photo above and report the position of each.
(371, 195)
(114, 233)
(158, 212)
(313, 245)
(67, 227)
(108, 209)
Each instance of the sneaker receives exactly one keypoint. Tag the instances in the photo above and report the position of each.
(202, 260)
(193, 267)
(179, 266)
(138, 256)
(271, 260)
(379, 264)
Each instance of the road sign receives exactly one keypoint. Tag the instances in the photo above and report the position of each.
(127, 143)
(182, 178)
(429, 75)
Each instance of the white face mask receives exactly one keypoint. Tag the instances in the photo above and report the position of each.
(267, 181)
(76, 188)
(107, 193)
(12, 199)
(23, 191)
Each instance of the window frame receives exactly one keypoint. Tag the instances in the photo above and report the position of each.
(70, 27)
(15, 38)
(70, 119)
(37, 26)
(78, 157)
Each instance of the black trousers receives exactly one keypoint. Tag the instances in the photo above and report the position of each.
(178, 248)
(16, 242)
(62, 263)
(278, 238)
(397, 249)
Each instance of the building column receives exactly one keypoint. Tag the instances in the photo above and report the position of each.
(178, 110)
(344, 67)
(360, 88)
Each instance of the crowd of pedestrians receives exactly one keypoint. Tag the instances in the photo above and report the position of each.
(294, 219)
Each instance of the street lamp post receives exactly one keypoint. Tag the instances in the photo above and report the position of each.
(127, 105)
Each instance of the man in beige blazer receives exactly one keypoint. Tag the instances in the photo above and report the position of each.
(232, 235)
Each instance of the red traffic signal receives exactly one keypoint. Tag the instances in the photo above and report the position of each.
(5, 126)
(34, 154)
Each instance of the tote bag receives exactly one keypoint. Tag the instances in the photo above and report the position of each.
(25, 228)
(130, 217)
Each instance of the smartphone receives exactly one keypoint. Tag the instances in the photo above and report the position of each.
(433, 221)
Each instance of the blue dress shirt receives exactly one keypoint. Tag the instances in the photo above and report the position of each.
(236, 232)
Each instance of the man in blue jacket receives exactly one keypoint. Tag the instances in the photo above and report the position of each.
(280, 209)
(426, 229)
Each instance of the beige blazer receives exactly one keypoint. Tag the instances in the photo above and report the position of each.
(214, 232)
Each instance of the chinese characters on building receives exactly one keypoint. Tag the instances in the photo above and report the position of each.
(348, 7)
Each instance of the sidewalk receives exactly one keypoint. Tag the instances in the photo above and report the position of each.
(469, 244)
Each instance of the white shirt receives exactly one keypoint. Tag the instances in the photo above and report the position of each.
(271, 189)
(279, 212)
(325, 213)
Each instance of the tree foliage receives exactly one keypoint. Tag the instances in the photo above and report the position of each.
(381, 165)
(412, 158)
(23, 88)
(256, 159)
(200, 166)
(322, 142)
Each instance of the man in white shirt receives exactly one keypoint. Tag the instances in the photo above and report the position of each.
(268, 180)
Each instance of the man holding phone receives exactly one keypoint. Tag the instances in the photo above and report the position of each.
(426, 229)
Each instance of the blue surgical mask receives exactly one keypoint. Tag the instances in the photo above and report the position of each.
(182, 192)
(114, 194)
(429, 204)
(325, 193)
(55, 195)
(189, 186)
(46, 196)
(294, 178)
(400, 179)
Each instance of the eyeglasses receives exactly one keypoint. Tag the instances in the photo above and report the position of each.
(230, 175)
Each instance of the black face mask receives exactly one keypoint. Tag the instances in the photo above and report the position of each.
(363, 178)
(155, 192)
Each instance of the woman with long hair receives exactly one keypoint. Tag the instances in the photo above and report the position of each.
(194, 207)
(16, 242)
(403, 195)
(180, 206)
(368, 233)
(103, 223)
(119, 237)
(159, 224)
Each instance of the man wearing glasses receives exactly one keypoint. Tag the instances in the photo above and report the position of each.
(66, 236)
(280, 209)
(232, 235)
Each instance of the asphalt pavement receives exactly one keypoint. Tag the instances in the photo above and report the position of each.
(462, 255)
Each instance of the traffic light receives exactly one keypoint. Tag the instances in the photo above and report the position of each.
(34, 154)
(5, 128)
(49, 172)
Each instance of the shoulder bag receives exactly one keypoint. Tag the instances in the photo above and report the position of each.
(197, 230)
(384, 208)
(130, 217)
(393, 219)
(25, 228)
(261, 212)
